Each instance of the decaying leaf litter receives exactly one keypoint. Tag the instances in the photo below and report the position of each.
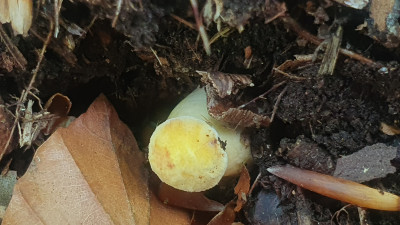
(145, 56)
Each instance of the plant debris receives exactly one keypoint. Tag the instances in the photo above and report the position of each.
(369, 163)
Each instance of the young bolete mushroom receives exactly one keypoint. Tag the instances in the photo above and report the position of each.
(186, 150)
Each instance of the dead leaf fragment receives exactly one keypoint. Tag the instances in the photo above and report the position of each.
(242, 189)
(224, 110)
(163, 214)
(366, 164)
(226, 217)
(59, 106)
(225, 84)
(188, 200)
(389, 130)
(89, 173)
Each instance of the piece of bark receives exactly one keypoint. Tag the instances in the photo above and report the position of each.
(89, 173)
(368, 163)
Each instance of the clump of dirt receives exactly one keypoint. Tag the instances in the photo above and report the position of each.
(337, 112)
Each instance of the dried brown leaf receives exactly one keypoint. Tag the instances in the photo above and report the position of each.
(91, 172)
(242, 189)
(389, 130)
(226, 217)
(224, 110)
(59, 106)
(225, 84)
(188, 200)
(163, 214)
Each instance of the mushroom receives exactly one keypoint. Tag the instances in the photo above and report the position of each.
(192, 151)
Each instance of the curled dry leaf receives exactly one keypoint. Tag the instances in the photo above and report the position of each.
(91, 172)
(59, 106)
(242, 189)
(222, 109)
(221, 88)
(389, 130)
(226, 217)
(188, 200)
(225, 84)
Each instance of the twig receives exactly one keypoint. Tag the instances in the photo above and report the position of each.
(255, 183)
(155, 54)
(293, 25)
(200, 27)
(289, 75)
(263, 95)
(223, 32)
(57, 8)
(117, 12)
(337, 214)
(19, 58)
(278, 100)
(362, 213)
(28, 89)
(183, 21)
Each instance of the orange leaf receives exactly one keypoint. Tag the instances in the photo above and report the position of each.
(91, 172)
(189, 200)
(163, 214)
(242, 188)
(226, 217)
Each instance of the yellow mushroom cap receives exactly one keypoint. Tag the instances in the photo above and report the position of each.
(185, 153)
(237, 148)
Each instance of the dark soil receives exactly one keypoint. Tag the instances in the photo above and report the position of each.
(318, 119)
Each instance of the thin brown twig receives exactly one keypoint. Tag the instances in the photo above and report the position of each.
(200, 27)
(263, 95)
(57, 8)
(28, 89)
(289, 75)
(278, 100)
(117, 12)
(255, 183)
(183, 21)
(293, 25)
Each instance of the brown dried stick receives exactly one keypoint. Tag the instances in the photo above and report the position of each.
(293, 25)
(28, 89)
(200, 27)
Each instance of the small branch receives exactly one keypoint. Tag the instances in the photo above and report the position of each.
(293, 25)
(200, 27)
(293, 77)
(278, 100)
(263, 95)
(57, 8)
(28, 89)
(117, 12)
(183, 21)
